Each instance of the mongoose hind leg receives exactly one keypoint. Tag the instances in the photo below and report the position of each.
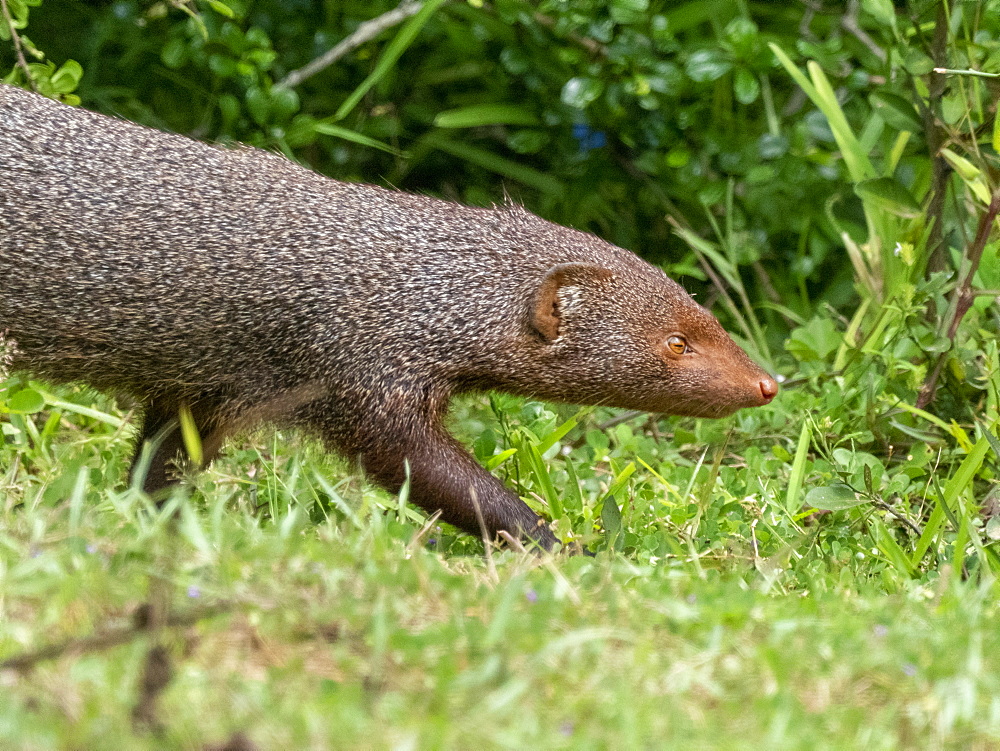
(161, 430)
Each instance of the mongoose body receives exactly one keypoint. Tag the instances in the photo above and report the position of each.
(245, 287)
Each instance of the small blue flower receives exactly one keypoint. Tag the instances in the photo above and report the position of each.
(194, 592)
(587, 138)
(532, 595)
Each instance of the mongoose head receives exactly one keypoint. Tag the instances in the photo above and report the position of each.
(629, 336)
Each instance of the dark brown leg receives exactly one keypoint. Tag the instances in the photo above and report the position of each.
(443, 475)
(161, 431)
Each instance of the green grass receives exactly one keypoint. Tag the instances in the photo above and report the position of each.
(306, 610)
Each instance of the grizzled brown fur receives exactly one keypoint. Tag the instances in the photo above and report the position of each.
(247, 287)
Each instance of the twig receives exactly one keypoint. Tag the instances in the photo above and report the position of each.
(849, 21)
(591, 45)
(966, 72)
(158, 668)
(619, 419)
(18, 50)
(107, 640)
(963, 296)
(902, 517)
(940, 170)
(364, 33)
(806, 22)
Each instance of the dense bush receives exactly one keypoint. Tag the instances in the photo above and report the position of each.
(616, 117)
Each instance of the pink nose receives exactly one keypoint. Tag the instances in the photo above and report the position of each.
(768, 389)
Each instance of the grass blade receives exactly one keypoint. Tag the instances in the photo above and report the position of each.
(392, 53)
(502, 166)
(797, 475)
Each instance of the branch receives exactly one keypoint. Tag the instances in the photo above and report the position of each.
(902, 517)
(364, 33)
(591, 45)
(963, 296)
(108, 639)
(18, 50)
(940, 171)
(849, 21)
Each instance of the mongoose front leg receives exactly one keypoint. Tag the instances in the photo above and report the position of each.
(443, 475)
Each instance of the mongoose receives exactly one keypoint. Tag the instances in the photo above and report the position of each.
(246, 287)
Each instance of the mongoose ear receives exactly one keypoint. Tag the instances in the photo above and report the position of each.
(546, 314)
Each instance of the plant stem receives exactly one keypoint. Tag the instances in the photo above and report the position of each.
(18, 49)
(963, 296)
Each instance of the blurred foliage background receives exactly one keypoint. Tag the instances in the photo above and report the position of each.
(627, 118)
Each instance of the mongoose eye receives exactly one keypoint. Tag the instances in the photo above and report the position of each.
(678, 345)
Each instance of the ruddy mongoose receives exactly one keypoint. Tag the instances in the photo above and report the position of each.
(243, 287)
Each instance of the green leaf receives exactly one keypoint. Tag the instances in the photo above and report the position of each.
(611, 520)
(495, 461)
(67, 77)
(796, 476)
(284, 102)
(916, 62)
(895, 111)
(221, 8)
(833, 498)
(992, 439)
(174, 53)
(890, 548)
(393, 52)
(965, 472)
(931, 528)
(190, 435)
(540, 472)
(746, 86)
(742, 33)
(558, 434)
(890, 195)
(993, 528)
(26, 402)
(485, 114)
(708, 65)
(881, 10)
(229, 108)
(258, 105)
(94, 414)
(621, 479)
(579, 92)
(495, 163)
(817, 87)
(328, 129)
(628, 11)
(965, 169)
